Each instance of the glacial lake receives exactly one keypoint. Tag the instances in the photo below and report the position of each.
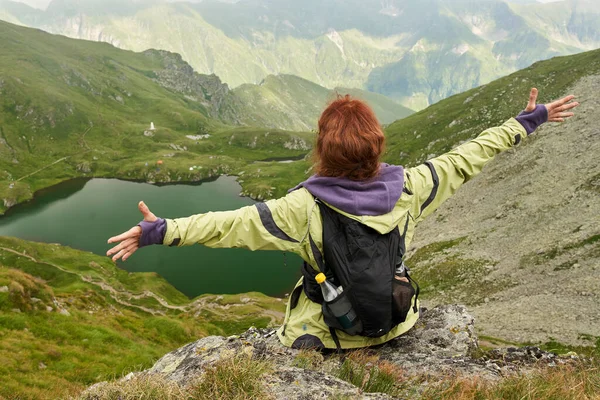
(83, 214)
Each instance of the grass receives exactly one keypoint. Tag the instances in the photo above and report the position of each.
(363, 369)
(48, 354)
(573, 382)
(141, 386)
(86, 105)
(234, 378)
(308, 359)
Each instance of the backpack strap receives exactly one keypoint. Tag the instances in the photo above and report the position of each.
(335, 338)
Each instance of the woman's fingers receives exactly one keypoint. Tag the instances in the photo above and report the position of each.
(567, 106)
(563, 115)
(559, 103)
(532, 100)
(148, 215)
(136, 231)
(125, 251)
(124, 244)
(556, 120)
(128, 254)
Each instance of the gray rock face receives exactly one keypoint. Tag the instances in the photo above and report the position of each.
(533, 218)
(208, 90)
(443, 342)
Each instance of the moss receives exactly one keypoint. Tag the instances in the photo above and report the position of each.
(542, 257)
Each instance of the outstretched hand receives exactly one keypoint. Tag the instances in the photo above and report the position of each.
(557, 110)
(130, 240)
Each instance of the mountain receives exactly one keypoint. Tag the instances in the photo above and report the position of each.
(296, 104)
(416, 52)
(75, 108)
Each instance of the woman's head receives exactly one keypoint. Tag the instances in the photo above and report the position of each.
(350, 140)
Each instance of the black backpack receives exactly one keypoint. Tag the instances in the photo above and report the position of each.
(363, 262)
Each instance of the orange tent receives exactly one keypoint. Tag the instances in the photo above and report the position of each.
(159, 162)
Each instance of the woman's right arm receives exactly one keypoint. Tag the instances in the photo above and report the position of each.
(279, 224)
(273, 225)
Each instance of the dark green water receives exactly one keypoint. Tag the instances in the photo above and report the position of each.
(84, 213)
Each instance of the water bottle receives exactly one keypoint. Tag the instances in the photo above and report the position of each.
(400, 271)
(339, 305)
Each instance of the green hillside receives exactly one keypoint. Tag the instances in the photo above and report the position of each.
(73, 108)
(295, 103)
(70, 318)
(442, 126)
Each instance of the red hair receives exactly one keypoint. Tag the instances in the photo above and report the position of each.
(350, 140)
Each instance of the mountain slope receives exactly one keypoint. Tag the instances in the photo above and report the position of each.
(416, 52)
(520, 244)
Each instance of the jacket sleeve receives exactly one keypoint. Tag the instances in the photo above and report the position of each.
(436, 180)
(274, 225)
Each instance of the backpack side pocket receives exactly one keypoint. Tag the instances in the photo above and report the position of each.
(402, 296)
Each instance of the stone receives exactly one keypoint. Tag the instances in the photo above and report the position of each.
(3, 289)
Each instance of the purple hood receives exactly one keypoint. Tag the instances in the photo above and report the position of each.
(376, 196)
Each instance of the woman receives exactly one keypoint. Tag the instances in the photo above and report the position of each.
(350, 178)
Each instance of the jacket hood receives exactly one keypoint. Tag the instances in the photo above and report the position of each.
(377, 196)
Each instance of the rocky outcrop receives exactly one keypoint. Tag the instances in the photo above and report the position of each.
(208, 90)
(442, 343)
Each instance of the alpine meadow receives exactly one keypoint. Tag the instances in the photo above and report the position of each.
(188, 93)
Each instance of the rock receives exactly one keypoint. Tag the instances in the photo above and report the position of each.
(3, 289)
(441, 344)
(64, 312)
(49, 309)
(41, 365)
(442, 336)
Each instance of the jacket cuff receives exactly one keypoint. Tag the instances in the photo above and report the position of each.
(532, 119)
(152, 232)
(169, 238)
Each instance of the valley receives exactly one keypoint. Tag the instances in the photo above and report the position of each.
(519, 244)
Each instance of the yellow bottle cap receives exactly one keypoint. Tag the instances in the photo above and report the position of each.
(320, 278)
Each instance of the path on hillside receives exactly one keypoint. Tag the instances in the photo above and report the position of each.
(41, 169)
(117, 295)
(114, 293)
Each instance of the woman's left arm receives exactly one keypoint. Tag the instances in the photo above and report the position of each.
(439, 178)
